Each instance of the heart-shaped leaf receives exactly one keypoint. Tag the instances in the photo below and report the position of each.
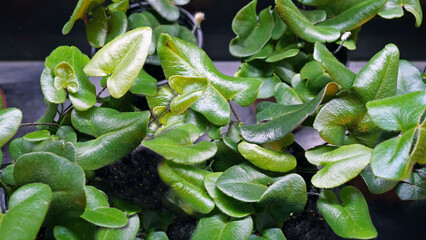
(340, 164)
(221, 227)
(66, 179)
(227, 205)
(10, 119)
(337, 71)
(393, 9)
(185, 59)
(354, 16)
(345, 120)
(105, 217)
(121, 58)
(302, 27)
(375, 184)
(409, 78)
(253, 32)
(117, 134)
(26, 211)
(276, 161)
(128, 232)
(79, 12)
(378, 79)
(177, 145)
(64, 73)
(413, 188)
(190, 89)
(349, 219)
(187, 182)
(293, 116)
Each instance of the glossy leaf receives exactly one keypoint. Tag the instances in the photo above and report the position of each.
(393, 9)
(275, 161)
(285, 95)
(176, 30)
(253, 32)
(37, 136)
(74, 229)
(375, 184)
(157, 236)
(414, 188)
(184, 59)
(145, 19)
(95, 198)
(345, 120)
(268, 86)
(66, 179)
(27, 208)
(10, 119)
(117, 25)
(279, 26)
(302, 27)
(65, 64)
(118, 5)
(398, 113)
(354, 16)
(128, 207)
(292, 115)
(340, 164)
(79, 12)
(226, 204)
(121, 58)
(187, 183)
(117, 134)
(144, 84)
(165, 8)
(349, 219)
(337, 71)
(378, 79)
(227, 155)
(105, 217)
(67, 134)
(190, 89)
(270, 234)
(177, 145)
(315, 76)
(409, 78)
(316, 2)
(220, 227)
(49, 115)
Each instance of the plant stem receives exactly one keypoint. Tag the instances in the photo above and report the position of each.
(235, 113)
(160, 115)
(313, 193)
(39, 124)
(102, 90)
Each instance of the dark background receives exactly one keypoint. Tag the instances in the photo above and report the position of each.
(31, 29)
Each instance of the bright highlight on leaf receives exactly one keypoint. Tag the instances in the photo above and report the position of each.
(122, 59)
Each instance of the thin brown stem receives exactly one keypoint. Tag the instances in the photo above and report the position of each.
(235, 113)
(39, 124)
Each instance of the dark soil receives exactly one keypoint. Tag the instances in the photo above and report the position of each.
(135, 178)
(181, 228)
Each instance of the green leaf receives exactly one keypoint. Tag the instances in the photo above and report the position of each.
(177, 145)
(314, 16)
(121, 58)
(144, 84)
(378, 79)
(279, 26)
(414, 188)
(128, 207)
(64, 71)
(270, 234)
(95, 198)
(244, 183)
(341, 164)
(375, 184)
(293, 115)
(176, 30)
(118, 5)
(268, 86)
(316, 2)
(355, 16)
(74, 229)
(187, 183)
(79, 12)
(253, 32)
(227, 155)
(190, 89)
(349, 219)
(393, 9)
(66, 179)
(117, 134)
(67, 134)
(117, 25)
(165, 8)
(302, 27)
(10, 119)
(157, 235)
(345, 120)
(97, 27)
(221, 227)
(145, 19)
(409, 78)
(37, 136)
(49, 115)
(127, 232)
(398, 113)
(227, 205)
(105, 217)
(185, 59)
(315, 76)
(285, 95)
(26, 211)
(337, 71)
(266, 159)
